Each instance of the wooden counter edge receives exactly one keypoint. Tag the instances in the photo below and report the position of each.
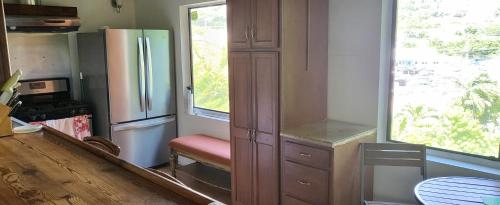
(148, 175)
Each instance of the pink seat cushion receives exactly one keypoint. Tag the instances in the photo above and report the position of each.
(205, 147)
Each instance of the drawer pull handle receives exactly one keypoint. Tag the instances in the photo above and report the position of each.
(303, 182)
(302, 154)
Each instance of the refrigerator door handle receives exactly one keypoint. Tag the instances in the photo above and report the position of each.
(150, 73)
(142, 124)
(142, 75)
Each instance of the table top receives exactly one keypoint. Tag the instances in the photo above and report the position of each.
(49, 168)
(456, 190)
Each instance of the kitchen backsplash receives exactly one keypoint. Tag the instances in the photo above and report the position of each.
(40, 55)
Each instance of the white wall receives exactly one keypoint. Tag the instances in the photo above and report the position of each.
(164, 14)
(359, 44)
(354, 39)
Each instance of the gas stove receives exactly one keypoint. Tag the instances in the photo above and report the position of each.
(57, 110)
(48, 99)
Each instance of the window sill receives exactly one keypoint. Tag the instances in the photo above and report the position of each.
(210, 117)
(479, 165)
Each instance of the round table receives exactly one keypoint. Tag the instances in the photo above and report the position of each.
(457, 190)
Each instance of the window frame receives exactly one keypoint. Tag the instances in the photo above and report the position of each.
(209, 113)
(391, 92)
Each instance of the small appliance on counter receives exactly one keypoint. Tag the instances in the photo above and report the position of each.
(49, 102)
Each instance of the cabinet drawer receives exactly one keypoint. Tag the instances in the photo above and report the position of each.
(292, 201)
(307, 155)
(306, 183)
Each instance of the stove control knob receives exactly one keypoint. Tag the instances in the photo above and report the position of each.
(43, 116)
(33, 117)
(73, 112)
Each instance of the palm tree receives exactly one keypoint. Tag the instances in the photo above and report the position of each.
(482, 98)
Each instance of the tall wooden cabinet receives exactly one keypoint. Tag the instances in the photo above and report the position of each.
(254, 127)
(263, 57)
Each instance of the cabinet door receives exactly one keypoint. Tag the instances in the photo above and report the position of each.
(241, 171)
(238, 23)
(240, 81)
(265, 24)
(240, 84)
(266, 177)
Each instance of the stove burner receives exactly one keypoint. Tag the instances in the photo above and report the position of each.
(48, 111)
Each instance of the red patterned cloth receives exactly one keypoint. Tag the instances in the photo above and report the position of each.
(77, 127)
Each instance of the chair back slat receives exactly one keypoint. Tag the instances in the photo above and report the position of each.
(103, 145)
(393, 154)
(393, 146)
(394, 162)
(388, 154)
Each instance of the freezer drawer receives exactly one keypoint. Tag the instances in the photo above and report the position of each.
(145, 143)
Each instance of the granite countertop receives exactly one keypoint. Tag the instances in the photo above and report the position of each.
(329, 133)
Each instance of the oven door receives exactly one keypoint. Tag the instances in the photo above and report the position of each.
(145, 143)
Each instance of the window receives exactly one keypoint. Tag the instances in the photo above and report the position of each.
(446, 75)
(209, 69)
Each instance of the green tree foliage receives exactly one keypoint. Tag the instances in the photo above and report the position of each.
(482, 98)
(463, 127)
(448, 40)
(209, 58)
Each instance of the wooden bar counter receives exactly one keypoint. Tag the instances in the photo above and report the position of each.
(49, 167)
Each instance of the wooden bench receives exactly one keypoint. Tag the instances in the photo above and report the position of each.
(202, 148)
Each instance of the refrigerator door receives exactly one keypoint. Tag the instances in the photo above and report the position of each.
(126, 75)
(145, 143)
(160, 73)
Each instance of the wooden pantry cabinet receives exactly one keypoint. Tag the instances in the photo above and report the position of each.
(254, 127)
(278, 60)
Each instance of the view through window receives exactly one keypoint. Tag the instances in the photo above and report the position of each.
(208, 35)
(446, 73)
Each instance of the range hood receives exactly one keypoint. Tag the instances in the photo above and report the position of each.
(41, 19)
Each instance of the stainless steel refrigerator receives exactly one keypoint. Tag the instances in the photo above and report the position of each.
(127, 76)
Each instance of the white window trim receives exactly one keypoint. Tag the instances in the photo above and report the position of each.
(442, 157)
(211, 114)
(190, 109)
